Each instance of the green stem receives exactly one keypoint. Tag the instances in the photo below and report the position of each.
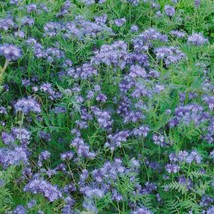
(72, 175)
(4, 68)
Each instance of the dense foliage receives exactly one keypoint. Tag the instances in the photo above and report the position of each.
(106, 106)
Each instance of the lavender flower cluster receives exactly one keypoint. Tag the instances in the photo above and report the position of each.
(106, 107)
(10, 52)
(79, 28)
(169, 55)
(144, 40)
(191, 113)
(13, 156)
(44, 187)
(27, 105)
(112, 55)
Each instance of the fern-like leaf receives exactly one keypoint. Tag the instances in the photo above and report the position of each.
(181, 188)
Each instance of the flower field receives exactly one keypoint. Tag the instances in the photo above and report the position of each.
(107, 107)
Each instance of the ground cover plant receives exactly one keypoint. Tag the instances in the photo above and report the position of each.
(106, 106)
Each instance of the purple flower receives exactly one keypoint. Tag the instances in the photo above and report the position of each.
(194, 156)
(27, 173)
(3, 110)
(134, 2)
(67, 210)
(22, 135)
(116, 196)
(134, 28)
(210, 101)
(19, 210)
(124, 105)
(43, 156)
(154, 166)
(184, 156)
(81, 28)
(142, 210)
(16, 2)
(94, 193)
(169, 10)
(197, 39)
(26, 82)
(133, 117)
(155, 6)
(2, 183)
(169, 54)
(116, 139)
(145, 40)
(51, 28)
(49, 172)
(47, 88)
(159, 139)
(206, 201)
(141, 90)
(14, 156)
(210, 210)
(45, 136)
(41, 186)
(6, 24)
(158, 88)
(69, 188)
(126, 84)
(19, 34)
(31, 203)
(101, 19)
(212, 155)
(27, 21)
(141, 131)
(175, 1)
(135, 164)
(102, 1)
(27, 105)
(101, 98)
(172, 168)
(139, 58)
(83, 176)
(186, 182)
(10, 52)
(67, 156)
(197, 3)
(88, 2)
(191, 113)
(159, 14)
(102, 177)
(81, 148)
(112, 55)
(64, 9)
(137, 71)
(103, 118)
(177, 33)
(120, 22)
(149, 188)
(90, 206)
(81, 124)
(158, 197)
(31, 8)
(59, 109)
(86, 71)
